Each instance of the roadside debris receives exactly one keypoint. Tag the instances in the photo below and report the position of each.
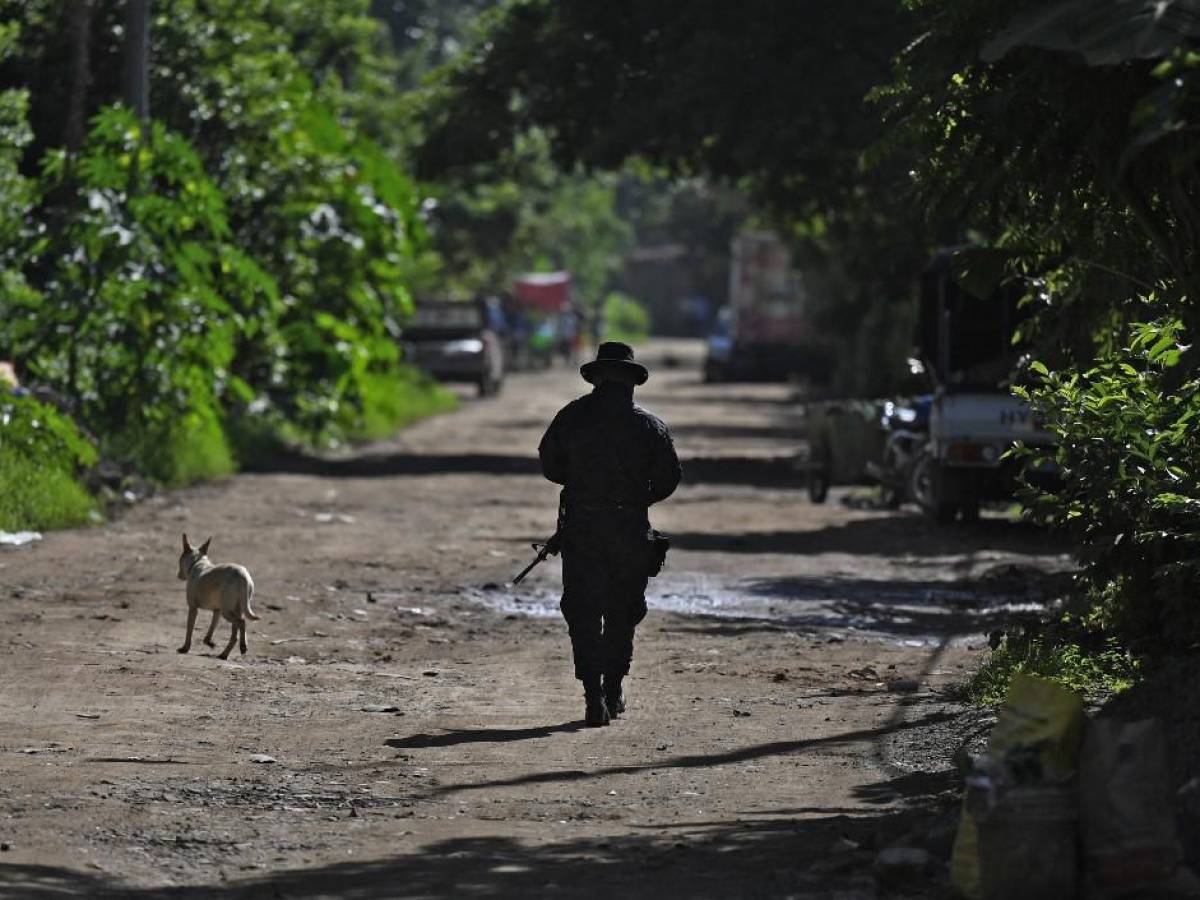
(18, 538)
(897, 867)
(1058, 802)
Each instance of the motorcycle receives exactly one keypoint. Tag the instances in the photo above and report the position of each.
(907, 433)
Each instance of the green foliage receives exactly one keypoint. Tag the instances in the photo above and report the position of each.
(256, 269)
(770, 97)
(34, 495)
(395, 399)
(1092, 671)
(773, 91)
(1129, 451)
(625, 319)
(16, 192)
(1082, 174)
(522, 214)
(42, 455)
(187, 447)
(135, 322)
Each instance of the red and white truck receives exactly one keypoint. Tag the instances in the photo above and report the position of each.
(765, 332)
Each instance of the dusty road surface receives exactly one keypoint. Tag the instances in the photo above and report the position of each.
(406, 726)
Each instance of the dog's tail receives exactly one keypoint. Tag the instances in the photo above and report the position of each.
(249, 613)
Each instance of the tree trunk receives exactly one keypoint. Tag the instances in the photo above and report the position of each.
(79, 27)
(137, 57)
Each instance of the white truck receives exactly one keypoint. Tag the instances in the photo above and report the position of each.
(966, 343)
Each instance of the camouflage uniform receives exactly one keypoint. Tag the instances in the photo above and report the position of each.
(614, 460)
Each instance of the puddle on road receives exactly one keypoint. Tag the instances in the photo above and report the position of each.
(913, 613)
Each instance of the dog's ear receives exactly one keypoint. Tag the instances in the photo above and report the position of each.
(204, 547)
(186, 545)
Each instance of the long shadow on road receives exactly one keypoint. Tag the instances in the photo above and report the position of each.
(481, 736)
(894, 534)
(703, 761)
(817, 856)
(384, 465)
(755, 471)
(796, 850)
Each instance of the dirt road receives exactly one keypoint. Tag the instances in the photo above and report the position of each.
(404, 726)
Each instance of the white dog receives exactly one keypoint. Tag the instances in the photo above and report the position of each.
(225, 589)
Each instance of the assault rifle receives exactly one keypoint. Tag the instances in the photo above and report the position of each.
(548, 549)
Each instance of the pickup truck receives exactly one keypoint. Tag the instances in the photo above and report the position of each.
(964, 460)
(456, 341)
(966, 343)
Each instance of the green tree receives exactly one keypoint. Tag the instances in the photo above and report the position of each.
(262, 142)
(521, 213)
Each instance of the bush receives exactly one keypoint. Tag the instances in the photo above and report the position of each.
(391, 400)
(34, 495)
(625, 319)
(42, 455)
(1129, 451)
(178, 450)
(1090, 664)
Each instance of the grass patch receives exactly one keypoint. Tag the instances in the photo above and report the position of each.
(391, 400)
(386, 403)
(179, 451)
(1090, 665)
(42, 454)
(625, 319)
(34, 495)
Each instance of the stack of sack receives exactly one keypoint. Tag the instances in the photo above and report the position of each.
(1060, 806)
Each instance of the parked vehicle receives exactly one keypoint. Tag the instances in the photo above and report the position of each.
(765, 333)
(974, 419)
(906, 429)
(541, 309)
(457, 342)
(844, 437)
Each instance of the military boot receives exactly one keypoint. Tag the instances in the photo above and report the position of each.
(595, 709)
(614, 696)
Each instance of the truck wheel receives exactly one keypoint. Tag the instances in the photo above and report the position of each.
(924, 489)
(942, 513)
(891, 494)
(818, 485)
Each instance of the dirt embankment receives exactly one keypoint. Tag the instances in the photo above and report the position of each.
(402, 727)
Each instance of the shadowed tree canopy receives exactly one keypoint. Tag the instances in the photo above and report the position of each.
(769, 91)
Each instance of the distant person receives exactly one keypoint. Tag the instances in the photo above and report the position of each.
(568, 333)
(614, 461)
(597, 323)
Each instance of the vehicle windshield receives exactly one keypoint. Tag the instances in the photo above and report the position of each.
(461, 316)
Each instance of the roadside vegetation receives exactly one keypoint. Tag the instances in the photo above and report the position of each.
(625, 319)
(43, 457)
(246, 254)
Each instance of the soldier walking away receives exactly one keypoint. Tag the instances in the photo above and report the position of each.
(614, 461)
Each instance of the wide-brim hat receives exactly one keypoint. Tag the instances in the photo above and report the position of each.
(614, 360)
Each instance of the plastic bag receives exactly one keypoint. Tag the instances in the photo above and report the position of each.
(1035, 742)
